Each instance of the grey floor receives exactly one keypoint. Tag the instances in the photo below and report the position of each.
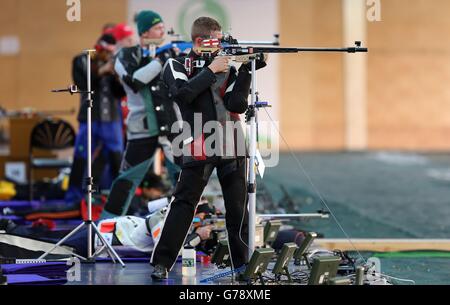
(138, 273)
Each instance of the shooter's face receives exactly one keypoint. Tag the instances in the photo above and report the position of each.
(104, 55)
(126, 42)
(155, 32)
(213, 35)
(152, 193)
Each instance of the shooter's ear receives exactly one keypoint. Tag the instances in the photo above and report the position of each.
(198, 41)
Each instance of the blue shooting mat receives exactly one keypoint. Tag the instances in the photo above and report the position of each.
(33, 279)
(49, 273)
(48, 269)
(21, 208)
(25, 204)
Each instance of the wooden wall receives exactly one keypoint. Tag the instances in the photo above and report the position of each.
(311, 88)
(48, 44)
(408, 68)
(408, 71)
(409, 76)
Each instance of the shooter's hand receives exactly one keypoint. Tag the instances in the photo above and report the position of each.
(107, 68)
(220, 64)
(204, 232)
(165, 55)
(261, 62)
(249, 113)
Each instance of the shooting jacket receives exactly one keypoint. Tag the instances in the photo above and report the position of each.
(139, 75)
(107, 91)
(209, 100)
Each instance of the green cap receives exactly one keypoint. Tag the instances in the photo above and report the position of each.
(146, 19)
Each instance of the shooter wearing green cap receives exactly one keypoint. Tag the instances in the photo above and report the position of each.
(139, 70)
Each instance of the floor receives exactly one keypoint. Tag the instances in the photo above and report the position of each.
(138, 273)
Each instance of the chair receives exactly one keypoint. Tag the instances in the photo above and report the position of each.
(51, 135)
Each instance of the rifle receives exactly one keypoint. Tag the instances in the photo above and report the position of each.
(229, 46)
(319, 215)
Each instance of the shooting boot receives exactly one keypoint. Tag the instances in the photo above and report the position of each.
(159, 273)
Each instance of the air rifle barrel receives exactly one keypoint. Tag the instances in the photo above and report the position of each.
(297, 50)
(239, 50)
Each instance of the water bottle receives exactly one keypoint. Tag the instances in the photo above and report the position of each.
(188, 261)
(359, 276)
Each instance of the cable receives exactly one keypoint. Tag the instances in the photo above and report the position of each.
(396, 278)
(221, 275)
(300, 280)
(245, 207)
(268, 278)
(316, 190)
(240, 231)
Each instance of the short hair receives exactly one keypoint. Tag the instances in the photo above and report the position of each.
(152, 180)
(108, 26)
(203, 27)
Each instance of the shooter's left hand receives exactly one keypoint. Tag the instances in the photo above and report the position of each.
(260, 62)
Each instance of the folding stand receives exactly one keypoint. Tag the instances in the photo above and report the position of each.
(88, 223)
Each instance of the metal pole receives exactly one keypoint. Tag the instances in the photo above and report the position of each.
(252, 173)
(89, 146)
(91, 227)
(80, 226)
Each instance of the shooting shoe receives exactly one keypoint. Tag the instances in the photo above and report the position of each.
(159, 273)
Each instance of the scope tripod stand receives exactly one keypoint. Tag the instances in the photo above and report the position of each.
(91, 227)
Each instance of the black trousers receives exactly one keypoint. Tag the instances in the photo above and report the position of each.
(135, 165)
(99, 165)
(190, 186)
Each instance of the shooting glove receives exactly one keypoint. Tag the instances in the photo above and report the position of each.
(260, 63)
(165, 55)
(249, 113)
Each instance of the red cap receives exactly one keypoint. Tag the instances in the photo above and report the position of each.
(106, 42)
(122, 31)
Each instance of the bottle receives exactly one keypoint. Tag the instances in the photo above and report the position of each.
(359, 276)
(188, 261)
